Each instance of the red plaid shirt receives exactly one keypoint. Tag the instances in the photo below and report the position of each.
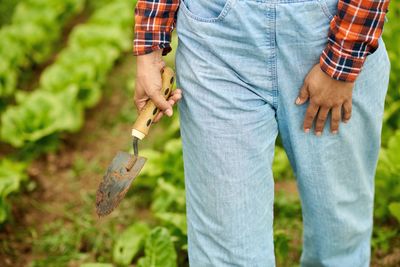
(353, 35)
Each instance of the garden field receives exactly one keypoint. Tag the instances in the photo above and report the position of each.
(66, 107)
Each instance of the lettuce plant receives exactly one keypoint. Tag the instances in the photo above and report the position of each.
(41, 114)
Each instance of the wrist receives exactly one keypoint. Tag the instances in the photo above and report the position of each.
(339, 64)
(152, 57)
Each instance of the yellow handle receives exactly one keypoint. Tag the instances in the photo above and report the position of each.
(149, 112)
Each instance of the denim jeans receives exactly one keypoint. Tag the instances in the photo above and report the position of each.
(241, 64)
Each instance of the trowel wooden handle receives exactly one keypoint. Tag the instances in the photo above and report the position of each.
(149, 112)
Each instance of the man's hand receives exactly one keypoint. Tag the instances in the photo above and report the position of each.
(149, 82)
(326, 95)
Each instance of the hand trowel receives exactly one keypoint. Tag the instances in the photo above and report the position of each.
(125, 167)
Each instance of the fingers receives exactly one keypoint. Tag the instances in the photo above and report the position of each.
(175, 96)
(347, 107)
(321, 119)
(303, 95)
(324, 95)
(160, 114)
(160, 102)
(335, 119)
(309, 117)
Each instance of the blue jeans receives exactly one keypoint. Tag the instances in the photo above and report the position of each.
(241, 64)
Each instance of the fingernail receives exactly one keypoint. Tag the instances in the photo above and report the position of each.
(168, 112)
(298, 101)
(306, 130)
(318, 133)
(346, 121)
(334, 132)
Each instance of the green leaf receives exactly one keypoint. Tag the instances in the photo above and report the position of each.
(129, 243)
(153, 166)
(173, 146)
(4, 210)
(159, 250)
(90, 35)
(281, 165)
(394, 209)
(8, 78)
(387, 184)
(393, 151)
(281, 243)
(178, 220)
(168, 198)
(12, 174)
(117, 14)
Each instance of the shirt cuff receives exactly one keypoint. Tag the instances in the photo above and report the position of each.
(340, 66)
(147, 42)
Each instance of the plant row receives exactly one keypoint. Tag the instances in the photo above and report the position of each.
(67, 87)
(73, 82)
(29, 39)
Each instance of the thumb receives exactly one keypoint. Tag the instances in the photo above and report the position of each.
(303, 95)
(161, 102)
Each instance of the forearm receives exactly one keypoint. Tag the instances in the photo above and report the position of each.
(353, 35)
(154, 23)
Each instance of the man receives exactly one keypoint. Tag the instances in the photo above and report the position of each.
(249, 69)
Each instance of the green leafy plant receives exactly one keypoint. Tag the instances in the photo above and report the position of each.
(387, 178)
(391, 36)
(281, 166)
(129, 243)
(394, 209)
(12, 174)
(40, 114)
(159, 250)
(84, 68)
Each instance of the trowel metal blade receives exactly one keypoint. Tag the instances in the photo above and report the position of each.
(116, 182)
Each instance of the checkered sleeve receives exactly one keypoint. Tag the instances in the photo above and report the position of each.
(353, 35)
(154, 22)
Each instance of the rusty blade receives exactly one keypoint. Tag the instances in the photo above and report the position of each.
(116, 181)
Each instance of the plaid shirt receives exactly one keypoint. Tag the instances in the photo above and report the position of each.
(353, 34)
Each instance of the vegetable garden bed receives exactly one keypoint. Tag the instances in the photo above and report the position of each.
(66, 129)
